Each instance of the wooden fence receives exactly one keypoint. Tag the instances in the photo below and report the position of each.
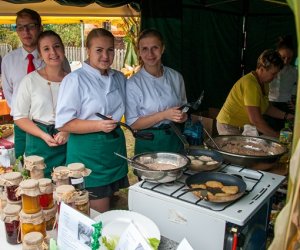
(74, 54)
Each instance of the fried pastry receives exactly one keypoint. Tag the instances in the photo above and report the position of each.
(230, 189)
(205, 158)
(214, 184)
(202, 186)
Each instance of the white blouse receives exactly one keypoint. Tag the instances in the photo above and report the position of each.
(36, 99)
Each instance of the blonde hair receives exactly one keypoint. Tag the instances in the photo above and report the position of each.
(98, 32)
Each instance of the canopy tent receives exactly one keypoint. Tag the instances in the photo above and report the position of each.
(53, 12)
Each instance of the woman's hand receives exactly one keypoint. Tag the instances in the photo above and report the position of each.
(175, 114)
(107, 125)
(49, 140)
(61, 137)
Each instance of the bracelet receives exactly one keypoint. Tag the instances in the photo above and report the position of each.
(285, 116)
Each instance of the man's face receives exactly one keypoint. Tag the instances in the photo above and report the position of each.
(28, 31)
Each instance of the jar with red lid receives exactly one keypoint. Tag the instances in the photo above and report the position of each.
(11, 220)
(29, 190)
(46, 193)
(32, 223)
(11, 182)
(33, 241)
(60, 176)
(35, 165)
(76, 175)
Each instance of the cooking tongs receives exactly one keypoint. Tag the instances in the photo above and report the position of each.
(136, 134)
(194, 105)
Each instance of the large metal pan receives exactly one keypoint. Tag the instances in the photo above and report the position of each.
(161, 176)
(225, 179)
(247, 145)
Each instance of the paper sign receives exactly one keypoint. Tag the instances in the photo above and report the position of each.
(133, 239)
(74, 229)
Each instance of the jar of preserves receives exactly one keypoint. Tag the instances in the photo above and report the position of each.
(65, 193)
(29, 189)
(50, 217)
(11, 220)
(60, 176)
(46, 193)
(11, 182)
(35, 165)
(33, 241)
(32, 223)
(82, 203)
(76, 175)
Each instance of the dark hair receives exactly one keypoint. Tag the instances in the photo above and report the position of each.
(149, 33)
(269, 58)
(285, 42)
(98, 32)
(48, 33)
(32, 14)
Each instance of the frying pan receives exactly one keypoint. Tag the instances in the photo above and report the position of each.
(135, 133)
(225, 179)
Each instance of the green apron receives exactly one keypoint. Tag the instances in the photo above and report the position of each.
(165, 140)
(53, 156)
(96, 152)
(19, 140)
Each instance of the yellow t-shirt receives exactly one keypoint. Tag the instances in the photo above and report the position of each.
(245, 92)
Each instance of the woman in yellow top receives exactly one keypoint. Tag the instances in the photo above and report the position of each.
(248, 99)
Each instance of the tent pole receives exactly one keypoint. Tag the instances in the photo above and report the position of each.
(82, 42)
(244, 45)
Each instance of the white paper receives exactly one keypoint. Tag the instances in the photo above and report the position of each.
(4, 157)
(184, 245)
(133, 239)
(74, 229)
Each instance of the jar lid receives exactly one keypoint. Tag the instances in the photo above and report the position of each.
(46, 186)
(49, 213)
(33, 238)
(60, 169)
(12, 210)
(64, 189)
(31, 217)
(29, 187)
(60, 173)
(76, 166)
(82, 198)
(11, 179)
(34, 161)
(65, 193)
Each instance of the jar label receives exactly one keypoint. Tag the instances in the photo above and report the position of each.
(77, 181)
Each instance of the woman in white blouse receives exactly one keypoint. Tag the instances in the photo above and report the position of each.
(95, 88)
(153, 97)
(34, 109)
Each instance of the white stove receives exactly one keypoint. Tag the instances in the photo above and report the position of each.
(179, 214)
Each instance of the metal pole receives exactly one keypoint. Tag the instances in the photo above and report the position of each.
(82, 42)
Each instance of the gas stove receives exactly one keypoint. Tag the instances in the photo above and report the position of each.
(180, 214)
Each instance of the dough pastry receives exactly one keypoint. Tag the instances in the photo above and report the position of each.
(230, 189)
(205, 158)
(197, 163)
(212, 162)
(214, 184)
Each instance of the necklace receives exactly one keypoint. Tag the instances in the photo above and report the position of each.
(52, 97)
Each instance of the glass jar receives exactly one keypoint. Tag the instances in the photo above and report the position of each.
(60, 176)
(3, 199)
(77, 172)
(50, 216)
(12, 223)
(65, 193)
(32, 223)
(11, 182)
(46, 196)
(29, 189)
(82, 203)
(35, 165)
(33, 241)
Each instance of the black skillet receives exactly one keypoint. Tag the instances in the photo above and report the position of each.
(225, 179)
(135, 133)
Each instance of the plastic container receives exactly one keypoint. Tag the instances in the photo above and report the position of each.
(60, 176)
(11, 182)
(82, 203)
(50, 217)
(35, 165)
(11, 220)
(77, 174)
(33, 241)
(286, 138)
(32, 223)
(46, 196)
(29, 189)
